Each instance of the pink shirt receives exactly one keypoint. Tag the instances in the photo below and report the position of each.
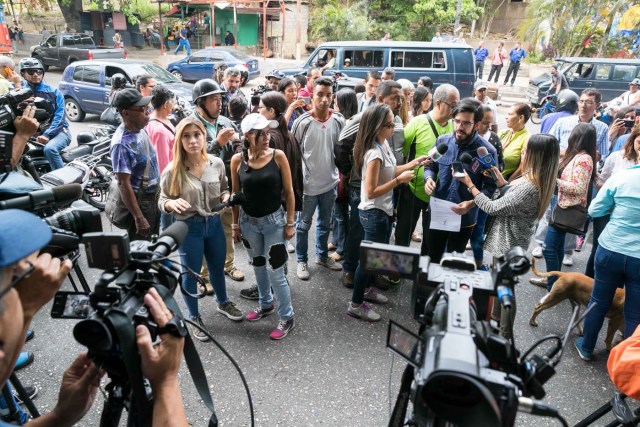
(498, 57)
(162, 139)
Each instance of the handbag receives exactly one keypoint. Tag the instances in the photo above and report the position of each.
(572, 218)
(115, 209)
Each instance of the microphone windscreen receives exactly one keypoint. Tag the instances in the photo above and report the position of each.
(66, 193)
(177, 231)
(442, 148)
(482, 151)
(466, 158)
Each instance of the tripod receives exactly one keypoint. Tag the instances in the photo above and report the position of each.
(619, 408)
(118, 400)
(11, 404)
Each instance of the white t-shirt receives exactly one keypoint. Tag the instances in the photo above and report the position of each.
(615, 163)
(387, 173)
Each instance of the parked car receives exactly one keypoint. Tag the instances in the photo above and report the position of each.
(199, 65)
(610, 76)
(60, 50)
(444, 62)
(86, 85)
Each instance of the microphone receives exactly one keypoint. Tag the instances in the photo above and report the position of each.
(487, 161)
(438, 151)
(234, 200)
(466, 158)
(61, 195)
(170, 239)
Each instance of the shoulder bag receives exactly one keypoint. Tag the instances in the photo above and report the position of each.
(115, 209)
(572, 218)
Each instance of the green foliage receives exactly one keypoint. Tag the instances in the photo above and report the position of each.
(336, 21)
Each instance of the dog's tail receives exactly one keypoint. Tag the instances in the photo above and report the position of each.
(545, 275)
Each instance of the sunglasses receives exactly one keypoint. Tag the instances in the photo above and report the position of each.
(32, 72)
(17, 278)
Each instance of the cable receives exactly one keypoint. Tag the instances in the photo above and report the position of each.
(562, 420)
(540, 341)
(233, 362)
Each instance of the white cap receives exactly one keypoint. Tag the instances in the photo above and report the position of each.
(256, 121)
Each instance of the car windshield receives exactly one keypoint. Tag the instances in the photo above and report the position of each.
(155, 71)
(563, 66)
(237, 54)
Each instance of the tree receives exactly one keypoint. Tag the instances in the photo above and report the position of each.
(336, 21)
(71, 11)
(431, 13)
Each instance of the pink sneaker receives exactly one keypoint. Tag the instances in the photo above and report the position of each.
(283, 329)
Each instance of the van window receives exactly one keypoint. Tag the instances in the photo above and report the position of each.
(579, 70)
(365, 58)
(603, 71)
(624, 73)
(419, 59)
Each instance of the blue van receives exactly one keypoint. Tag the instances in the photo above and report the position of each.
(444, 62)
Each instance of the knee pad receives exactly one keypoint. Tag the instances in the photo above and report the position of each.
(278, 256)
(258, 261)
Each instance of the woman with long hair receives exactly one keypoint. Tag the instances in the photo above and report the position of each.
(521, 203)
(346, 103)
(422, 99)
(262, 175)
(514, 139)
(376, 164)
(295, 105)
(193, 184)
(576, 173)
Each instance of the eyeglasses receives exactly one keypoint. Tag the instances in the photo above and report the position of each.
(453, 105)
(457, 122)
(17, 278)
(37, 71)
(390, 125)
(586, 102)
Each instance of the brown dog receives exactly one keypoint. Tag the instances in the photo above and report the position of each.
(577, 288)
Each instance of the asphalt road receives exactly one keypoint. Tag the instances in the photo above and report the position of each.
(332, 369)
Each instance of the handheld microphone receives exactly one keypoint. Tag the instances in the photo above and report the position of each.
(487, 161)
(235, 200)
(438, 151)
(170, 239)
(466, 158)
(61, 195)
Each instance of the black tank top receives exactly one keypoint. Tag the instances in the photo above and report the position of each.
(262, 188)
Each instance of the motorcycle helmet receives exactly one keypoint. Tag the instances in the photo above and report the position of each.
(85, 137)
(567, 101)
(276, 74)
(204, 88)
(119, 81)
(30, 64)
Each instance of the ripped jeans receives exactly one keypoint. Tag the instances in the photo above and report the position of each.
(264, 240)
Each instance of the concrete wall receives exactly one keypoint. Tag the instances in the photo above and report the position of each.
(291, 20)
(509, 16)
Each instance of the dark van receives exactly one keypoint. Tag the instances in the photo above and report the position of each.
(444, 62)
(609, 75)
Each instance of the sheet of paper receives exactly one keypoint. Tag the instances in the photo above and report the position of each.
(442, 217)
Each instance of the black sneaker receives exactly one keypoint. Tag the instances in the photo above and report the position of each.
(197, 333)
(32, 392)
(250, 293)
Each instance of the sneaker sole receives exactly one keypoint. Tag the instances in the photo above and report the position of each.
(234, 318)
(279, 338)
(201, 338)
(355, 316)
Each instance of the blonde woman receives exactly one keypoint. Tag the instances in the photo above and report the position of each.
(193, 184)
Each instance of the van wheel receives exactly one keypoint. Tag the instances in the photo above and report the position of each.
(73, 111)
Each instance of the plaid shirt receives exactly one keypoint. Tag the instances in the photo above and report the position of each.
(563, 127)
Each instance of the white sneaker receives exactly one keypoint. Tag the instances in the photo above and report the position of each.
(302, 271)
(290, 248)
(537, 252)
(567, 260)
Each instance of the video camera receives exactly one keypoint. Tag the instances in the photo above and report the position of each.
(13, 103)
(257, 92)
(460, 371)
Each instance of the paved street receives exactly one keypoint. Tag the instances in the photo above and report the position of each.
(332, 369)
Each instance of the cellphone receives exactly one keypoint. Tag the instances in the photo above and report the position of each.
(628, 123)
(306, 99)
(71, 305)
(458, 170)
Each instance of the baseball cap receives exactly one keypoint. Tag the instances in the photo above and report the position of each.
(635, 82)
(257, 121)
(21, 234)
(128, 98)
(276, 73)
(347, 60)
(480, 84)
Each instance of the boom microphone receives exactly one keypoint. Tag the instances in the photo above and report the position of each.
(170, 239)
(487, 161)
(61, 196)
(437, 152)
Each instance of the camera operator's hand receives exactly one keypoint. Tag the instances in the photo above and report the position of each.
(41, 285)
(78, 389)
(429, 186)
(160, 364)
(42, 139)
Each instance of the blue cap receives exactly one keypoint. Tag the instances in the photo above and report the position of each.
(21, 234)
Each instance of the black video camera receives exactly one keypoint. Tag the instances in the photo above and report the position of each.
(461, 372)
(257, 92)
(68, 227)
(13, 103)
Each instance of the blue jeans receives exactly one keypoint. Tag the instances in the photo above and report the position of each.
(553, 248)
(53, 148)
(377, 228)
(205, 239)
(166, 219)
(477, 236)
(340, 226)
(612, 270)
(324, 203)
(355, 234)
(264, 240)
(183, 43)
